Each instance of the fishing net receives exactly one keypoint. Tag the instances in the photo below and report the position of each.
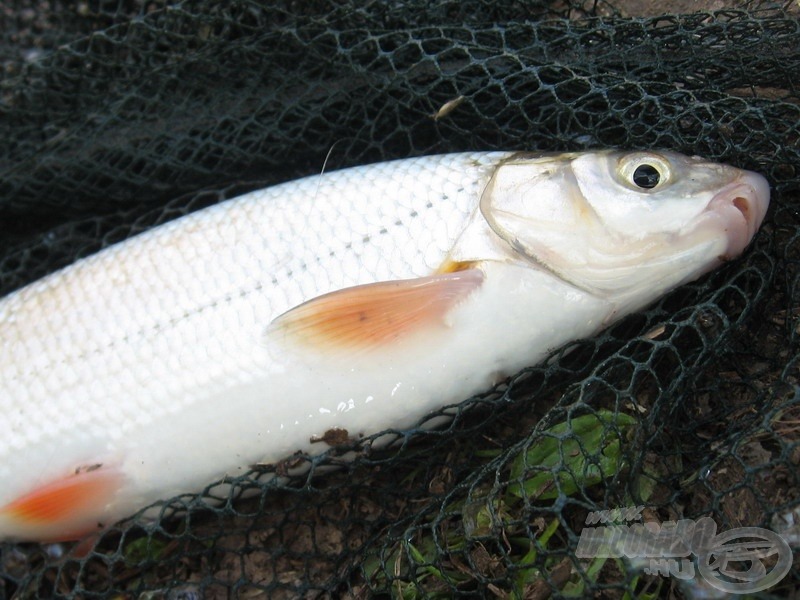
(118, 115)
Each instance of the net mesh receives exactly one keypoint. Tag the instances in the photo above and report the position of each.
(117, 115)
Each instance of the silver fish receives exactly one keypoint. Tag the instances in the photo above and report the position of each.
(357, 300)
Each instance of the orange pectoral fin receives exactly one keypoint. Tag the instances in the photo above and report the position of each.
(376, 314)
(63, 509)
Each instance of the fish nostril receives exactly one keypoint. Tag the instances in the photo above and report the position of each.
(743, 206)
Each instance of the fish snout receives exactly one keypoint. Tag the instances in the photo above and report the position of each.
(742, 205)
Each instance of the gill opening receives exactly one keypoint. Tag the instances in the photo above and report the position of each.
(513, 242)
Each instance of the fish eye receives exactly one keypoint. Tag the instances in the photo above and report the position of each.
(644, 171)
(646, 176)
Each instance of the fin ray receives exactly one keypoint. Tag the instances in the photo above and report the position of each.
(65, 508)
(376, 314)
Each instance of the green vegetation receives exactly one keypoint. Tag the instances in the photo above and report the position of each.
(565, 459)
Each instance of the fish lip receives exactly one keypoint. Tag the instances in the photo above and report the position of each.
(742, 205)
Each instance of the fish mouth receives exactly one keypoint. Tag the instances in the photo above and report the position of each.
(742, 205)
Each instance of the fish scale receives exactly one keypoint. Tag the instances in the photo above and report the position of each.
(101, 350)
(224, 255)
(167, 361)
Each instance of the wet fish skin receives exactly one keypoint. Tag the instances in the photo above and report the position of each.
(357, 300)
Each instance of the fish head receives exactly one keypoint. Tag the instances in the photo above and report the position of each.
(624, 225)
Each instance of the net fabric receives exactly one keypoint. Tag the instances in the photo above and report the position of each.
(117, 116)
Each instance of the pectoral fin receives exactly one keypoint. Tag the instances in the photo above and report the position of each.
(377, 314)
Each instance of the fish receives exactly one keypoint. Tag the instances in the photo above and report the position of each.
(334, 306)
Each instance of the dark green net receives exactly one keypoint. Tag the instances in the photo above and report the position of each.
(119, 115)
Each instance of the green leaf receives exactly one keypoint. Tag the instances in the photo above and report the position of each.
(145, 549)
(528, 575)
(574, 455)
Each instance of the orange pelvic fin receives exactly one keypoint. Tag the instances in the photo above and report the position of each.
(64, 509)
(376, 314)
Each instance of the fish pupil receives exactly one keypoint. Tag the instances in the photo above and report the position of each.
(646, 176)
